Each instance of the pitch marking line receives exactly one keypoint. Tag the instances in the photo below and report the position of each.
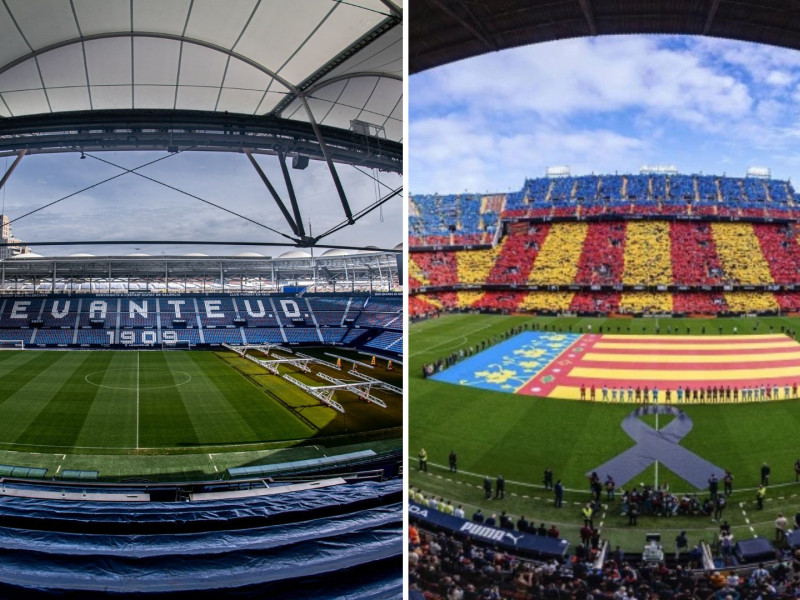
(582, 490)
(747, 520)
(146, 388)
(462, 339)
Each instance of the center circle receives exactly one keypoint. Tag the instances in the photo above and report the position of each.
(96, 379)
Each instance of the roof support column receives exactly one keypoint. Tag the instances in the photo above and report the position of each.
(712, 11)
(300, 228)
(12, 167)
(324, 147)
(273, 192)
(586, 7)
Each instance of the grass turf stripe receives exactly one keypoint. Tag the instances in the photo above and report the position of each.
(61, 420)
(163, 418)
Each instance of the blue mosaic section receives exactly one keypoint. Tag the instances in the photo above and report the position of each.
(510, 364)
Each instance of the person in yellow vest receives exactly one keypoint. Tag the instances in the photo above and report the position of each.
(587, 515)
(339, 363)
(389, 366)
(373, 361)
(447, 508)
(423, 460)
(761, 493)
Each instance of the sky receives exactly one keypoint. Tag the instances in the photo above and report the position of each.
(132, 208)
(604, 105)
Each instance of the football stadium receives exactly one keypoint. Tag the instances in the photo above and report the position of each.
(603, 383)
(179, 421)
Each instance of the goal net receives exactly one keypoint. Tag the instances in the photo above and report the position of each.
(12, 345)
(177, 345)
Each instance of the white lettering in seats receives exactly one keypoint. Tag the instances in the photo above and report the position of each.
(18, 311)
(135, 308)
(290, 308)
(98, 306)
(261, 312)
(176, 304)
(57, 313)
(212, 309)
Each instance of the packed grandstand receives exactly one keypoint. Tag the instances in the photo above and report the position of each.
(561, 266)
(647, 243)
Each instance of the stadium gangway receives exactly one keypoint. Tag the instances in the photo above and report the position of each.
(708, 558)
(359, 388)
(272, 364)
(325, 398)
(377, 382)
(601, 556)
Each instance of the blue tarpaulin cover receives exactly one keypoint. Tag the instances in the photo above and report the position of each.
(311, 536)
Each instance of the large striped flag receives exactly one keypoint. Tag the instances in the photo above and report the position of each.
(557, 365)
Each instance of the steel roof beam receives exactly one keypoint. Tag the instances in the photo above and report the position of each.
(298, 219)
(13, 166)
(712, 11)
(468, 22)
(158, 129)
(586, 7)
(273, 192)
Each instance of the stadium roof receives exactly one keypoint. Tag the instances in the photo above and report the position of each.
(31, 271)
(444, 31)
(249, 57)
(317, 79)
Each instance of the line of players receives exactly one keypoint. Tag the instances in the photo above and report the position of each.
(709, 394)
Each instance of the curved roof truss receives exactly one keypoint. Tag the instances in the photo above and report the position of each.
(444, 31)
(319, 79)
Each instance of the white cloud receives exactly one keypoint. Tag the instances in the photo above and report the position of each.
(598, 75)
(604, 104)
(779, 78)
(456, 154)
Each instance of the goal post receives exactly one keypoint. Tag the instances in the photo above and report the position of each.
(12, 344)
(177, 345)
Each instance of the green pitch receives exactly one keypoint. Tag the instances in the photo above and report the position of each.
(176, 413)
(519, 436)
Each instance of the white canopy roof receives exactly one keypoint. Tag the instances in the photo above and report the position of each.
(241, 56)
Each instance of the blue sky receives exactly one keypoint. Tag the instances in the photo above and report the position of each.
(604, 105)
(133, 208)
